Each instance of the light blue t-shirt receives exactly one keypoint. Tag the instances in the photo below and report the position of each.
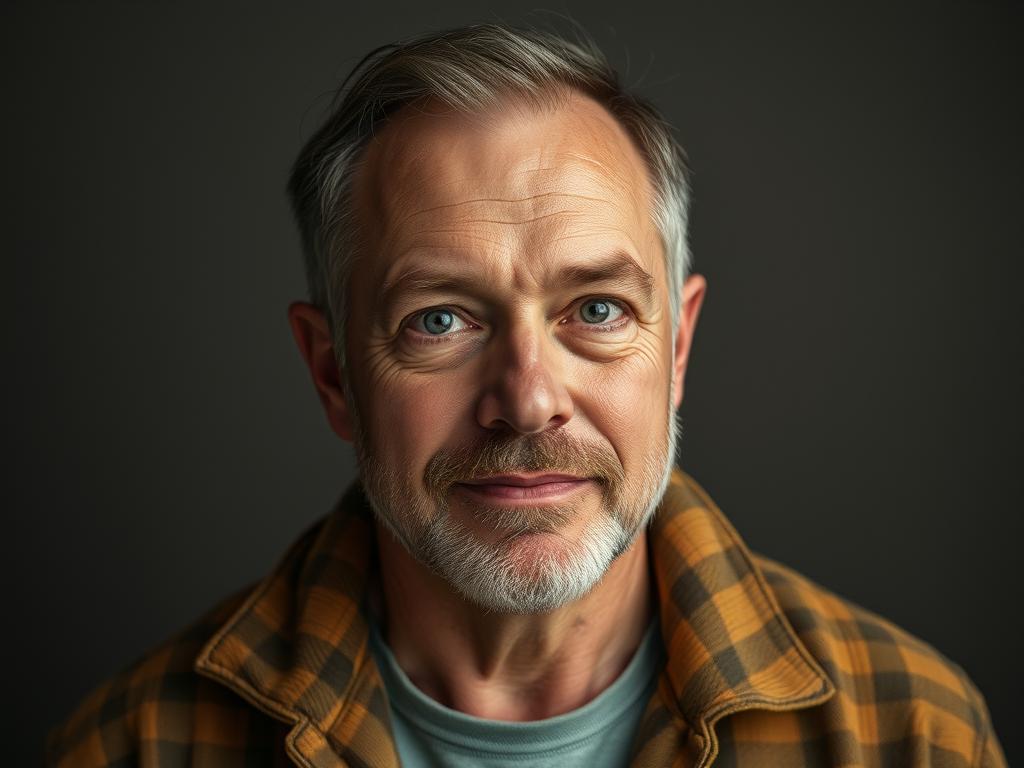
(600, 733)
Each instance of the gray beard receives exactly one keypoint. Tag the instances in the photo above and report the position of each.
(492, 575)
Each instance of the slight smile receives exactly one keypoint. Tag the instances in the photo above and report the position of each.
(524, 489)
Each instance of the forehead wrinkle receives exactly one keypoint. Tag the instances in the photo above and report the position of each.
(595, 232)
(416, 180)
(636, 185)
(513, 200)
(515, 222)
(589, 201)
(479, 225)
(431, 168)
(463, 238)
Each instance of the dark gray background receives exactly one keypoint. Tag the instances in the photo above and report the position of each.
(858, 215)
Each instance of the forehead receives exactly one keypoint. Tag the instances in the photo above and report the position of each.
(519, 178)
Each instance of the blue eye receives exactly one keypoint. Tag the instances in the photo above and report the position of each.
(595, 311)
(438, 322)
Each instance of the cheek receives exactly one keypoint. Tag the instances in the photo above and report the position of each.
(410, 417)
(627, 402)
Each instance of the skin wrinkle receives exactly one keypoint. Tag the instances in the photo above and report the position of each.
(542, 195)
(533, 610)
(401, 223)
(414, 156)
(513, 222)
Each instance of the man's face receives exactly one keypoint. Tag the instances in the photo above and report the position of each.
(510, 347)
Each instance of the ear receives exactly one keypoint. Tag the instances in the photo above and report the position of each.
(693, 298)
(313, 337)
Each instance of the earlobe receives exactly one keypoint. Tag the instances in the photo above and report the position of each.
(314, 340)
(694, 291)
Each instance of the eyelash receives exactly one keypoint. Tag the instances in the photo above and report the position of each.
(423, 338)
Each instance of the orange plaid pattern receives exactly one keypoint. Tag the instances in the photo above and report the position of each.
(765, 669)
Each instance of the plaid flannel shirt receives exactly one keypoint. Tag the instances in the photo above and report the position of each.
(765, 668)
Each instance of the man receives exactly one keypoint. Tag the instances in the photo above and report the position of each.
(500, 321)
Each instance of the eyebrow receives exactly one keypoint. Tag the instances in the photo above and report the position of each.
(617, 267)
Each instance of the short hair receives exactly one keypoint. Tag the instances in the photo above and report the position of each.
(466, 69)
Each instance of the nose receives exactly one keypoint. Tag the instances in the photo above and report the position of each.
(524, 386)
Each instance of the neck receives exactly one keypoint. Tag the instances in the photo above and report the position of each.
(511, 666)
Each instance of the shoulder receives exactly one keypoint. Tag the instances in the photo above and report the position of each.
(159, 710)
(883, 674)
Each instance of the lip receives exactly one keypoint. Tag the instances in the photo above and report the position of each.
(525, 480)
(525, 490)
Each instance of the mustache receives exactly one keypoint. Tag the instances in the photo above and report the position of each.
(502, 453)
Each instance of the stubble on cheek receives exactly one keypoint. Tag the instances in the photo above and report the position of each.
(406, 425)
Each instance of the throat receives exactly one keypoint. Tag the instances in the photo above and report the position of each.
(515, 667)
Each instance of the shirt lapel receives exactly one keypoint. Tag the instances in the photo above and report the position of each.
(729, 646)
(298, 647)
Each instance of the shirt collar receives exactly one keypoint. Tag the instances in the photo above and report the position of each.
(298, 647)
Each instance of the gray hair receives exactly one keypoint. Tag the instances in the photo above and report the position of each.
(466, 69)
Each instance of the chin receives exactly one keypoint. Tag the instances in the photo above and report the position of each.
(527, 573)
